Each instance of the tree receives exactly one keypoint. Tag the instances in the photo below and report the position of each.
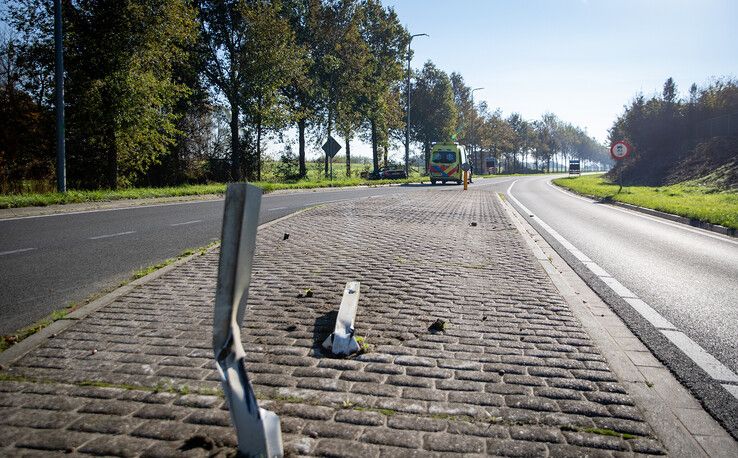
(435, 114)
(224, 34)
(387, 41)
(271, 60)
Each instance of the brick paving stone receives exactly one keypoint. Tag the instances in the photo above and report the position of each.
(513, 374)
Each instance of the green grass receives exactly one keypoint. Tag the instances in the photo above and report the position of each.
(315, 180)
(74, 196)
(700, 202)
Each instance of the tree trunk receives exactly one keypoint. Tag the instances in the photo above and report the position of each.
(258, 149)
(112, 160)
(375, 153)
(348, 157)
(384, 157)
(301, 129)
(427, 151)
(235, 146)
(329, 136)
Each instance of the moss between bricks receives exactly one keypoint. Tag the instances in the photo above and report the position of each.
(345, 405)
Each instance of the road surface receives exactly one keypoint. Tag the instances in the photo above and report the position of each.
(688, 275)
(48, 262)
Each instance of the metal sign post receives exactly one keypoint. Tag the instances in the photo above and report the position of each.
(258, 430)
(619, 151)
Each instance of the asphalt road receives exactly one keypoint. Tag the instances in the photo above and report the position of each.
(688, 275)
(51, 261)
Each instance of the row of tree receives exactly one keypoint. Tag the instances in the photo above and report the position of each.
(170, 91)
(443, 108)
(666, 130)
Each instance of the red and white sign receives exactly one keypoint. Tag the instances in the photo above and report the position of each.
(620, 150)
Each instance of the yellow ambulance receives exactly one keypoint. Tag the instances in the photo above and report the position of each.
(445, 163)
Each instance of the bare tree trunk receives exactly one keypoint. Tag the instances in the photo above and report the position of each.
(348, 156)
(258, 149)
(301, 153)
(235, 146)
(427, 151)
(375, 153)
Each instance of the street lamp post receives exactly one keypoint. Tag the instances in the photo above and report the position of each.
(61, 167)
(407, 125)
(473, 108)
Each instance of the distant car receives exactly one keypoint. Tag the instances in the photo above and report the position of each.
(386, 173)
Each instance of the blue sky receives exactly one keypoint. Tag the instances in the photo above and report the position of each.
(580, 59)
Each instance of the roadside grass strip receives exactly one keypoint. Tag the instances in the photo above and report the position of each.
(8, 340)
(78, 196)
(75, 196)
(707, 204)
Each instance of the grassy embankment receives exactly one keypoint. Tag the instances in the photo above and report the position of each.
(700, 202)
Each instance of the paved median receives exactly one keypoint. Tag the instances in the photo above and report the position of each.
(469, 348)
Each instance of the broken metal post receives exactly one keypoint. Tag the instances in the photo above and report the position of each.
(258, 430)
(342, 341)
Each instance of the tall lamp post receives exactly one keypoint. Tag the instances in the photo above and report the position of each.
(407, 126)
(473, 108)
(61, 167)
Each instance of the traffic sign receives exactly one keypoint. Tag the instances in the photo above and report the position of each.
(331, 147)
(620, 150)
(465, 167)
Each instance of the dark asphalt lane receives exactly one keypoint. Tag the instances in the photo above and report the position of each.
(688, 275)
(48, 262)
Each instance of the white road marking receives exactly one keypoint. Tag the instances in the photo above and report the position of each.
(22, 250)
(732, 389)
(696, 353)
(649, 314)
(186, 222)
(655, 219)
(714, 368)
(111, 235)
(99, 210)
(277, 209)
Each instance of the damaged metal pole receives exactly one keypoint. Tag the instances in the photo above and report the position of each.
(342, 341)
(258, 430)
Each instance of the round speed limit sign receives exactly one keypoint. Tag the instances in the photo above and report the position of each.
(620, 150)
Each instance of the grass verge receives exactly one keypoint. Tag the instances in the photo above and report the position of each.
(9, 340)
(699, 202)
(74, 196)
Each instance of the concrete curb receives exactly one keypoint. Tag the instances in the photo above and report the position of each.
(663, 401)
(28, 344)
(659, 214)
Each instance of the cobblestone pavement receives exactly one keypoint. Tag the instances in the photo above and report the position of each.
(513, 373)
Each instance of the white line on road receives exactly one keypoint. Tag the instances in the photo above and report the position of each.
(277, 209)
(111, 235)
(655, 219)
(714, 368)
(186, 222)
(3, 253)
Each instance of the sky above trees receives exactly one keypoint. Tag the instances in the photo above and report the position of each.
(583, 60)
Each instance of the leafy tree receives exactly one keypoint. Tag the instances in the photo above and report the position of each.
(271, 60)
(435, 113)
(387, 42)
